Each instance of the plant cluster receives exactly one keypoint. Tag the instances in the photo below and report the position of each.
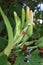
(17, 49)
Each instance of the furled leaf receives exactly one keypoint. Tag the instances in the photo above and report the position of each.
(29, 20)
(10, 33)
(17, 27)
(29, 23)
(23, 18)
(21, 35)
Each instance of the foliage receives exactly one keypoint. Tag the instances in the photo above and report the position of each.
(23, 38)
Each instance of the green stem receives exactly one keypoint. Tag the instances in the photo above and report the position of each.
(32, 47)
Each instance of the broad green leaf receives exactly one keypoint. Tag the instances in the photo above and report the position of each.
(10, 33)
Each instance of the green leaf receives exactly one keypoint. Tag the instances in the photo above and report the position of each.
(3, 60)
(23, 18)
(17, 27)
(29, 21)
(20, 61)
(27, 15)
(40, 42)
(25, 38)
(10, 33)
(26, 43)
(35, 59)
(21, 35)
